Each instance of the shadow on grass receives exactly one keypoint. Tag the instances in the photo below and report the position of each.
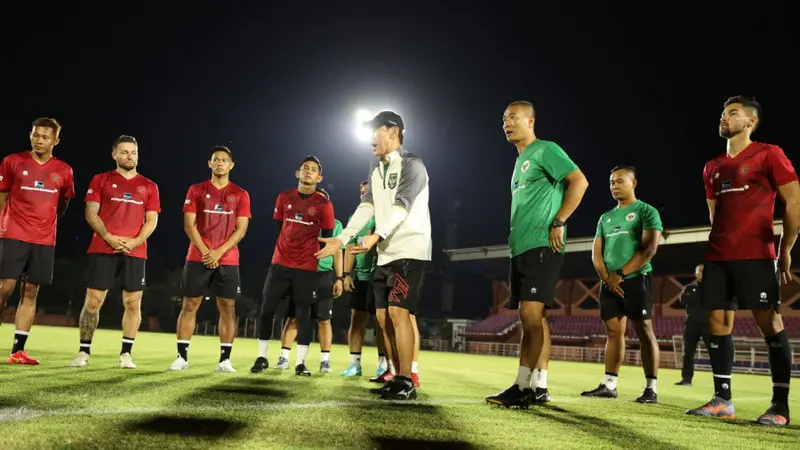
(240, 391)
(416, 444)
(186, 426)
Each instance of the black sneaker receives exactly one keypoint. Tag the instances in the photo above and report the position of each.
(684, 383)
(401, 388)
(540, 396)
(648, 396)
(301, 370)
(386, 386)
(601, 391)
(777, 415)
(260, 364)
(512, 397)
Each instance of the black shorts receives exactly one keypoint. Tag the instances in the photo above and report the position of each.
(198, 280)
(638, 301)
(363, 298)
(532, 277)
(745, 284)
(322, 308)
(23, 260)
(285, 285)
(105, 270)
(399, 283)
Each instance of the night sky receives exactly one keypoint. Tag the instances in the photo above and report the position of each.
(618, 85)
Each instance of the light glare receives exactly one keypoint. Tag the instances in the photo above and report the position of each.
(362, 133)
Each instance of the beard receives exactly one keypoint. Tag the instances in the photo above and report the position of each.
(127, 165)
(727, 133)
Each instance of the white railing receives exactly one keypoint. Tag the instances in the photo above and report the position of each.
(750, 355)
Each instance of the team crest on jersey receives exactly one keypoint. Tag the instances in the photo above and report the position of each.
(392, 180)
(140, 189)
(55, 178)
(743, 170)
(231, 198)
(630, 217)
(525, 166)
(312, 211)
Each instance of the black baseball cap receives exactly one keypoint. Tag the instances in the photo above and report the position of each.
(386, 118)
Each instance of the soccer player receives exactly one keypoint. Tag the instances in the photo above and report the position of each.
(696, 325)
(35, 189)
(546, 188)
(303, 214)
(397, 196)
(122, 209)
(215, 217)
(626, 240)
(740, 270)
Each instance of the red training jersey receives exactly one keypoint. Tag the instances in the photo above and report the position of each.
(123, 207)
(744, 188)
(33, 193)
(217, 211)
(302, 218)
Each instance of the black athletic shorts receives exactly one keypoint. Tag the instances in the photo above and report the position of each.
(23, 260)
(286, 285)
(532, 277)
(399, 283)
(638, 301)
(322, 308)
(198, 280)
(105, 270)
(745, 284)
(363, 298)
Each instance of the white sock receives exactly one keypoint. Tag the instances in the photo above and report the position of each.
(326, 356)
(302, 352)
(523, 377)
(285, 353)
(263, 346)
(355, 359)
(414, 367)
(382, 362)
(539, 379)
(650, 383)
(391, 368)
(610, 381)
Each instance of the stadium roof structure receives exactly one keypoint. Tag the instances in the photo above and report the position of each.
(679, 251)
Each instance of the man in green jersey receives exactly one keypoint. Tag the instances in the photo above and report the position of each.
(627, 238)
(330, 287)
(546, 188)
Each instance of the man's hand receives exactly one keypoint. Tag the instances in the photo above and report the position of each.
(612, 284)
(366, 245)
(129, 244)
(337, 289)
(557, 238)
(349, 286)
(785, 267)
(115, 242)
(211, 258)
(332, 245)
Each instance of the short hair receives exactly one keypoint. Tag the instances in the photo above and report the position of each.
(313, 159)
(223, 149)
(630, 169)
(122, 139)
(746, 102)
(526, 104)
(48, 122)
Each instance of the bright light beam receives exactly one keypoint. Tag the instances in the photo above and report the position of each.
(362, 132)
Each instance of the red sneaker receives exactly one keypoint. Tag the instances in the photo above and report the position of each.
(387, 376)
(415, 379)
(22, 358)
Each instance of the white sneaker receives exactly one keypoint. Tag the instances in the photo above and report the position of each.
(179, 364)
(226, 367)
(126, 361)
(283, 363)
(82, 360)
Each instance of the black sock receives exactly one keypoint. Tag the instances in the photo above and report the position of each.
(86, 346)
(20, 337)
(721, 352)
(183, 347)
(127, 345)
(225, 352)
(780, 365)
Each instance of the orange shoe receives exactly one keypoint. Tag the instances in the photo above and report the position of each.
(415, 379)
(387, 376)
(22, 358)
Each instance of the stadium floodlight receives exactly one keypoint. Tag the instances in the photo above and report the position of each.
(362, 133)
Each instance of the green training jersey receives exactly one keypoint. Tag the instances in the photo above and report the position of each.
(621, 231)
(326, 264)
(365, 262)
(537, 191)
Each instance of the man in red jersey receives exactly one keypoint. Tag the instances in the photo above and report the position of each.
(215, 217)
(122, 208)
(35, 189)
(740, 269)
(303, 214)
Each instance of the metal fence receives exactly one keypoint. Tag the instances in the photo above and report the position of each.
(751, 355)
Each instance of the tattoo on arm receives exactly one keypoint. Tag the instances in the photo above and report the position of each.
(88, 323)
